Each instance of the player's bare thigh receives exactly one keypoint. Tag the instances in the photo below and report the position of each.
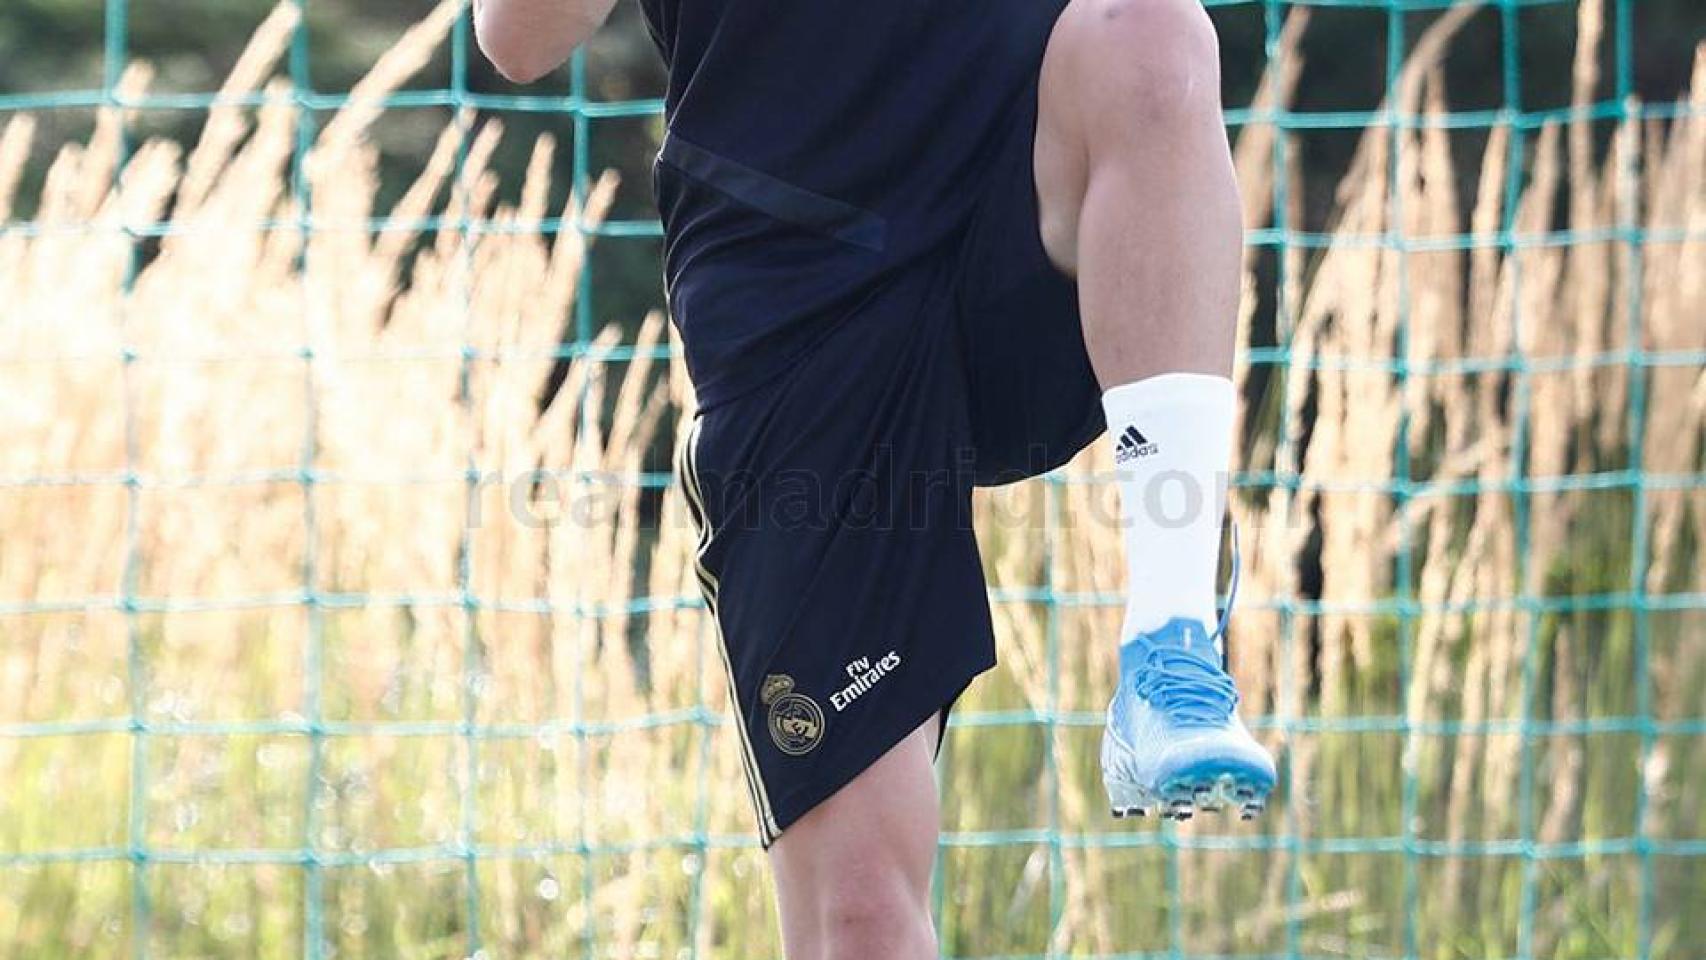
(853, 875)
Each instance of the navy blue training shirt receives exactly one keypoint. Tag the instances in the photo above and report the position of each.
(814, 147)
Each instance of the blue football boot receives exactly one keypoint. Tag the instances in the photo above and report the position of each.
(1174, 743)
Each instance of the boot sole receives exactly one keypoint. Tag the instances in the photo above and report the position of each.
(1210, 787)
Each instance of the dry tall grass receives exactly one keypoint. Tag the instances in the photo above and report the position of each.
(377, 421)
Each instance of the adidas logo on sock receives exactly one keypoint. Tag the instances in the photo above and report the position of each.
(1133, 445)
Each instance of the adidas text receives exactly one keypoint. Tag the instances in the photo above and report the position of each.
(1133, 445)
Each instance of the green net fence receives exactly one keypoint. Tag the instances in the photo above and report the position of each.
(344, 604)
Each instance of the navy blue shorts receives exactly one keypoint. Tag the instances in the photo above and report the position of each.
(834, 501)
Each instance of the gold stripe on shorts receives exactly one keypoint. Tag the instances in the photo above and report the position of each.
(687, 466)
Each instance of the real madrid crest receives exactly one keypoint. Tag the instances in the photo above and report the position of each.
(795, 720)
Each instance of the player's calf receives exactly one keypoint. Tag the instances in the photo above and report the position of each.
(1126, 86)
(1138, 64)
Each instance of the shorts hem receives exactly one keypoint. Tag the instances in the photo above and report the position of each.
(790, 807)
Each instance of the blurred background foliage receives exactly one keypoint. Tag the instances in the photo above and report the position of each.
(59, 45)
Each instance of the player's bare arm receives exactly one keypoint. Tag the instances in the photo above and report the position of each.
(526, 39)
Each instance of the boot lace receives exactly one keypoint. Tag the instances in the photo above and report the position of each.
(1189, 689)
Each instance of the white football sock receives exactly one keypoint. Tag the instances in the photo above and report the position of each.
(1172, 437)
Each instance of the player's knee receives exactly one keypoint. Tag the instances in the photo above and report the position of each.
(878, 925)
(1151, 61)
